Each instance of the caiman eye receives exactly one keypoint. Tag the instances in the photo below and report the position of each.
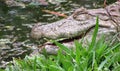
(82, 17)
(81, 14)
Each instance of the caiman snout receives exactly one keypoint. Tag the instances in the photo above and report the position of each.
(36, 32)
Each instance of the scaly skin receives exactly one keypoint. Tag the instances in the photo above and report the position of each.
(78, 23)
(82, 21)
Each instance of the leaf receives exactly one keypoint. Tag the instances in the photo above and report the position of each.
(61, 46)
(94, 35)
(78, 53)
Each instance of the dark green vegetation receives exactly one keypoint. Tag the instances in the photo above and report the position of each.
(97, 57)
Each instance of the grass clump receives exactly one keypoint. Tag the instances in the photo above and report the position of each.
(98, 57)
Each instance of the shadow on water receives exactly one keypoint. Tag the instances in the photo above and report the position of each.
(16, 22)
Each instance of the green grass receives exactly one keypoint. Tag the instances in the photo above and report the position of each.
(97, 57)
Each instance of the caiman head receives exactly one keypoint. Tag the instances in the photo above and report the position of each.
(79, 22)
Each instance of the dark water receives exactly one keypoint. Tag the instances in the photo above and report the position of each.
(16, 22)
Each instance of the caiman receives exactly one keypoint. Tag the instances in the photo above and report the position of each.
(80, 24)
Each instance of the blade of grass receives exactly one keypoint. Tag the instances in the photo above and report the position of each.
(67, 50)
(78, 46)
(35, 63)
(94, 35)
(109, 50)
(94, 61)
(56, 68)
(103, 63)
